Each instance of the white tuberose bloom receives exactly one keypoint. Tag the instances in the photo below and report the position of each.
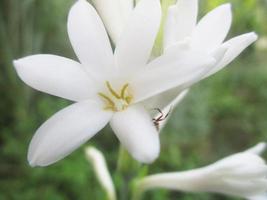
(207, 35)
(181, 26)
(242, 175)
(107, 86)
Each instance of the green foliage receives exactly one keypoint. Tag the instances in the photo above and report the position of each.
(222, 115)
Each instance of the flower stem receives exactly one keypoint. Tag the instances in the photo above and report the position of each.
(137, 192)
(127, 169)
(126, 164)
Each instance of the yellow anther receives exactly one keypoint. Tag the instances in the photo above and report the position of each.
(112, 91)
(112, 108)
(129, 99)
(109, 101)
(116, 101)
(123, 90)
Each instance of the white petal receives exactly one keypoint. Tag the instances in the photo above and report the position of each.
(180, 22)
(243, 188)
(212, 29)
(258, 197)
(134, 47)
(235, 47)
(126, 7)
(165, 99)
(56, 75)
(137, 133)
(114, 14)
(237, 160)
(240, 169)
(168, 100)
(248, 171)
(89, 38)
(177, 68)
(66, 131)
(175, 101)
(187, 181)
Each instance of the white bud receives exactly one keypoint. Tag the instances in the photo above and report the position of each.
(241, 175)
(96, 158)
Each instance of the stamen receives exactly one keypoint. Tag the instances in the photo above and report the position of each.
(112, 91)
(128, 99)
(123, 90)
(111, 108)
(112, 104)
(116, 101)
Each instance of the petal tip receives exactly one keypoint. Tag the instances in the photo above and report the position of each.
(91, 151)
(148, 157)
(21, 61)
(32, 164)
(18, 64)
(37, 161)
(251, 37)
(31, 160)
(254, 36)
(225, 9)
(33, 156)
(227, 6)
(257, 149)
(15, 63)
(260, 148)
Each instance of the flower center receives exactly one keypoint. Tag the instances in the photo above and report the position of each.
(114, 100)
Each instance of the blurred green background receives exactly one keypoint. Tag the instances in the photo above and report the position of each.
(222, 115)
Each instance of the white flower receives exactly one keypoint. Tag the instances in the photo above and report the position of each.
(96, 158)
(206, 35)
(242, 175)
(107, 86)
(181, 26)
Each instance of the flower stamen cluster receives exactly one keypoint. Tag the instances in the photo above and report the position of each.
(116, 101)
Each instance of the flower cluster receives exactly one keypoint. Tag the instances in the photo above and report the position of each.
(121, 86)
(242, 175)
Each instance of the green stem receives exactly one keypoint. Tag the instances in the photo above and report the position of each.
(137, 192)
(127, 170)
(126, 164)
